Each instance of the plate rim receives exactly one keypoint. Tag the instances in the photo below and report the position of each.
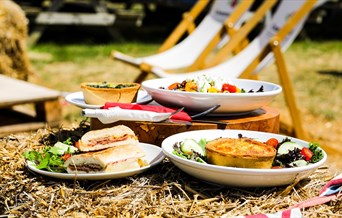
(70, 96)
(84, 105)
(278, 89)
(94, 176)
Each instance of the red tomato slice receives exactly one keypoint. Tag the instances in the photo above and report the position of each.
(66, 157)
(272, 142)
(307, 153)
(229, 88)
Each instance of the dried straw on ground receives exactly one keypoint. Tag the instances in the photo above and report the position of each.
(163, 191)
(14, 60)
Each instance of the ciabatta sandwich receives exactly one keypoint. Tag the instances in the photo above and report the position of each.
(115, 159)
(106, 138)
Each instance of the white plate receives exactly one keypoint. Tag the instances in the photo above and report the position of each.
(229, 102)
(243, 177)
(77, 99)
(154, 156)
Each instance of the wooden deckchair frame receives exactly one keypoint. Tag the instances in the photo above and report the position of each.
(228, 28)
(274, 46)
(238, 38)
(186, 25)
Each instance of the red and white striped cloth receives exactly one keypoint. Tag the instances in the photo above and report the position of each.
(291, 213)
(332, 190)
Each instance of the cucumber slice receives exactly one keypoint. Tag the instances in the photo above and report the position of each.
(190, 145)
(299, 163)
(288, 146)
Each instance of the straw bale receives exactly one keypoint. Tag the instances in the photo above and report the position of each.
(14, 59)
(163, 191)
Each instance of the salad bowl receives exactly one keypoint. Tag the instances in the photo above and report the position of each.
(235, 176)
(199, 101)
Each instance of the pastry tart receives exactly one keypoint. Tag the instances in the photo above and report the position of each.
(98, 93)
(240, 152)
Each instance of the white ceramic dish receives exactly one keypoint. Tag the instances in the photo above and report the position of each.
(229, 102)
(154, 156)
(77, 99)
(231, 176)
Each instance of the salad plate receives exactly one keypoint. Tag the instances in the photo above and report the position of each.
(200, 101)
(233, 176)
(154, 156)
(77, 99)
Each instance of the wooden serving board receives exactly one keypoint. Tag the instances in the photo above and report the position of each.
(265, 119)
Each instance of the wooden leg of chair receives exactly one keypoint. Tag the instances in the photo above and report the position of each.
(288, 91)
(142, 76)
(145, 69)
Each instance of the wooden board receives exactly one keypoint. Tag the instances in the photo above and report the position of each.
(265, 120)
(14, 92)
(43, 106)
(59, 18)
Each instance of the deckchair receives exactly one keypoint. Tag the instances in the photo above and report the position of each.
(278, 35)
(185, 52)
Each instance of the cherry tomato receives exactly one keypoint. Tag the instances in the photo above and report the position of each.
(66, 157)
(277, 167)
(173, 86)
(307, 153)
(230, 88)
(272, 142)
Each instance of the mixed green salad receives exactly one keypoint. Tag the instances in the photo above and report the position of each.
(289, 154)
(52, 158)
(191, 150)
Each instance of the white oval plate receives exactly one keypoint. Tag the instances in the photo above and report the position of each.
(196, 101)
(242, 177)
(154, 156)
(77, 99)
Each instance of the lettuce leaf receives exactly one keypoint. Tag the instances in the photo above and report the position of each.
(317, 152)
(50, 157)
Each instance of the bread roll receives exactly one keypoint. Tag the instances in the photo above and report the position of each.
(115, 159)
(105, 138)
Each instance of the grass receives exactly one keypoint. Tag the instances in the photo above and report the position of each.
(314, 67)
(83, 53)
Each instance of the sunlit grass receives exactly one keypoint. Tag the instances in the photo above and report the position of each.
(82, 53)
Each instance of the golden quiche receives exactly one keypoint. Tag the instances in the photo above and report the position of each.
(98, 93)
(240, 152)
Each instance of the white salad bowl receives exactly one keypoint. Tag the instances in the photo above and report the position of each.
(198, 101)
(232, 176)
